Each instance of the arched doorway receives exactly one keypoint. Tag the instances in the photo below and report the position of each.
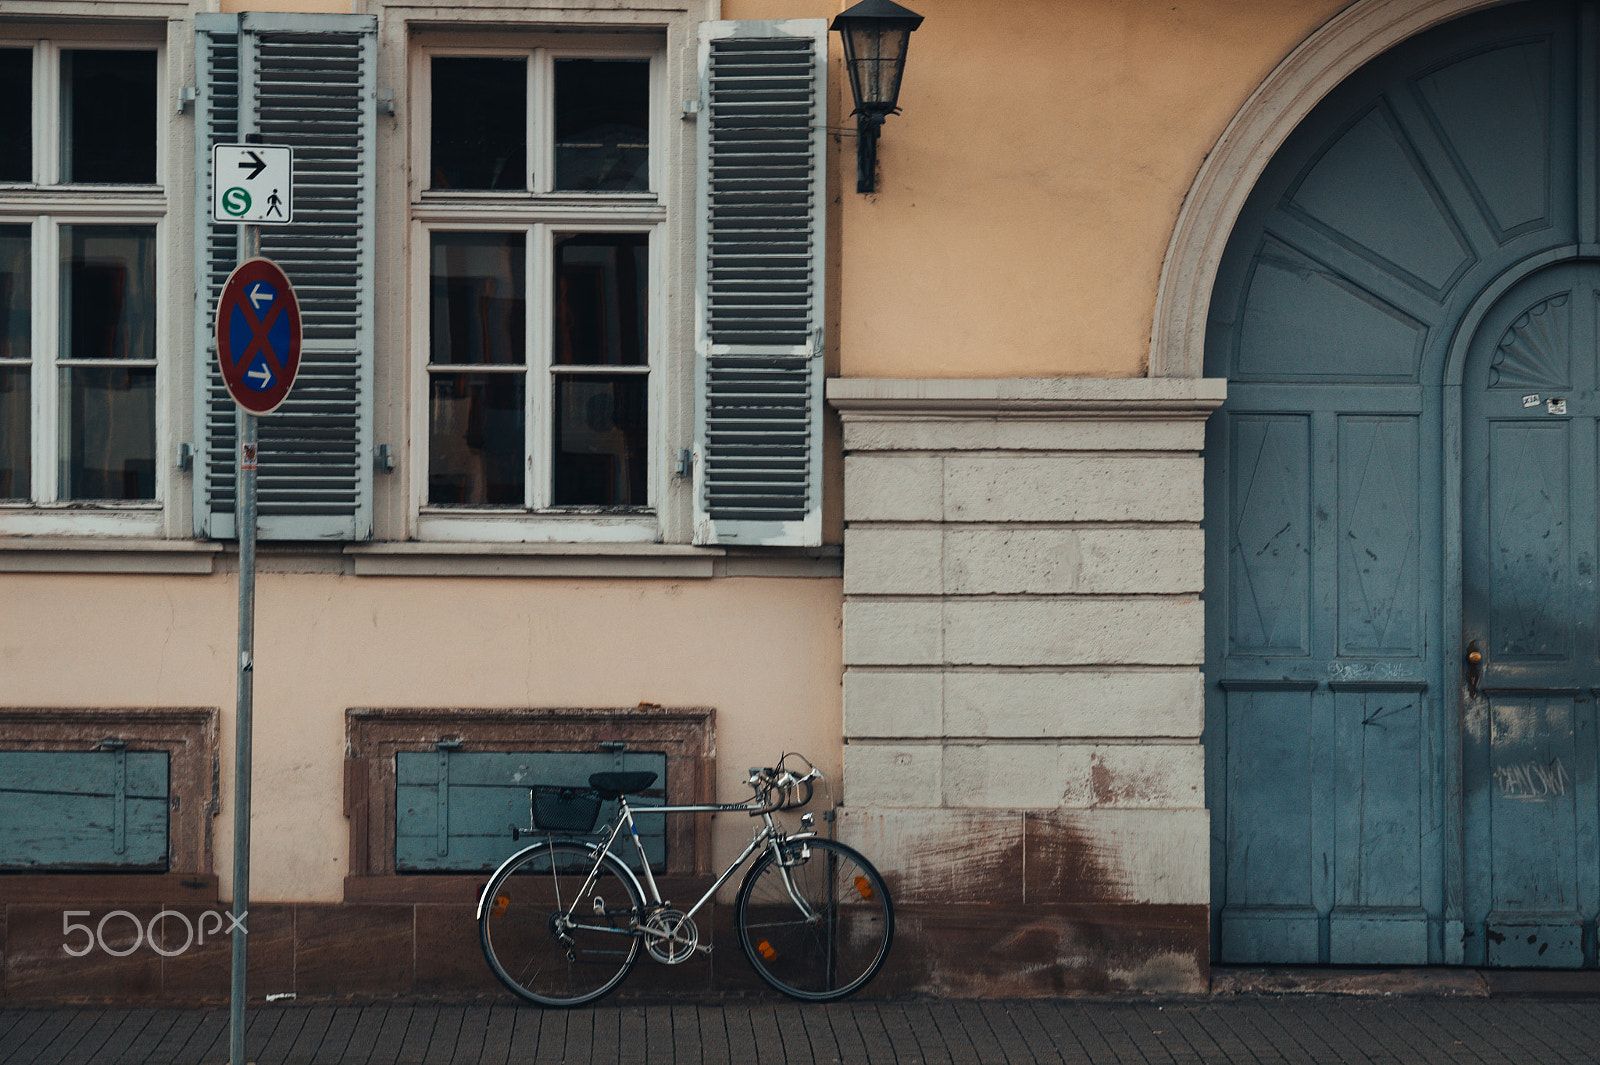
(1414, 254)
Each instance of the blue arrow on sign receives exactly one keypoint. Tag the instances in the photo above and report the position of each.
(259, 341)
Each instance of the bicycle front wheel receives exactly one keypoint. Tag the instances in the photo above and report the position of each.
(816, 925)
(550, 939)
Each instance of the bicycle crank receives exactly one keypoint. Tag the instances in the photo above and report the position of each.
(671, 937)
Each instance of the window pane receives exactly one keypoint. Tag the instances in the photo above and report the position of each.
(108, 432)
(16, 116)
(476, 439)
(602, 287)
(108, 304)
(600, 427)
(16, 407)
(478, 299)
(15, 427)
(603, 125)
(108, 108)
(16, 299)
(480, 123)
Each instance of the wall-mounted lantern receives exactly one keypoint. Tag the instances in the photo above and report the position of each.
(875, 33)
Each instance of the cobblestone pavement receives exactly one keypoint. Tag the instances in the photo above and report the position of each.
(1247, 1029)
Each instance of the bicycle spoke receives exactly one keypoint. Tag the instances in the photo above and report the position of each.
(543, 933)
(818, 928)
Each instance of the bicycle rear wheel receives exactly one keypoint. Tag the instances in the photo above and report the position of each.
(818, 925)
(551, 946)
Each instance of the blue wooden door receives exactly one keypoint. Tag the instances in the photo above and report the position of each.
(1529, 611)
(1377, 499)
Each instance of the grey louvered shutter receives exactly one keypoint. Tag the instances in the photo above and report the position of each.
(306, 81)
(759, 370)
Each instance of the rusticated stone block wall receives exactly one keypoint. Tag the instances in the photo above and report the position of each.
(1023, 636)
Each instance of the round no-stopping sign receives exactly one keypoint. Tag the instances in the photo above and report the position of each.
(258, 335)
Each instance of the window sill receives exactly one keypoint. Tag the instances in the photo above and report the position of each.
(514, 527)
(62, 554)
(111, 522)
(661, 561)
(434, 559)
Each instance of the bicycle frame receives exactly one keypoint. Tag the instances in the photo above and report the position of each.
(768, 833)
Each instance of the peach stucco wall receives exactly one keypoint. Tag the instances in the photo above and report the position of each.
(765, 653)
(1028, 192)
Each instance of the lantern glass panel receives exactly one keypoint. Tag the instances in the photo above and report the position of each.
(877, 58)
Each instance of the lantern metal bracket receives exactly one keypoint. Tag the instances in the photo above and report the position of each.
(875, 34)
(868, 125)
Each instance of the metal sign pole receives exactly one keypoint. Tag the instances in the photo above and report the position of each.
(245, 487)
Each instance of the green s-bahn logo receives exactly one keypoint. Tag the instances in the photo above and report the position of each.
(236, 201)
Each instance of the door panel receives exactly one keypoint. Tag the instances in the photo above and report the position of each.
(1529, 425)
(1373, 158)
(1271, 874)
(1380, 608)
(1384, 834)
(1539, 896)
(1328, 707)
(1493, 106)
(1271, 565)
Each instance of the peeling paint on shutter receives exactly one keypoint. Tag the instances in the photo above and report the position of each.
(454, 809)
(217, 248)
(759, 294)
(307, 82)
(84, 811)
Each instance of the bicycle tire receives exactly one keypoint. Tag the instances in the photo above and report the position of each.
(524, 907)
(836, 951)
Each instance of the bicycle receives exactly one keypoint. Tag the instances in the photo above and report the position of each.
(562, 921)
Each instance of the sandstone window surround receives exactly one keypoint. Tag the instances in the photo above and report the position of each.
(188, 738)
(686, 736)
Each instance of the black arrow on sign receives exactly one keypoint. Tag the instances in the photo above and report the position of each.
(255, 160)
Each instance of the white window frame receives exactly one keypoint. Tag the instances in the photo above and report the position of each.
(541, 214)
(45, 205)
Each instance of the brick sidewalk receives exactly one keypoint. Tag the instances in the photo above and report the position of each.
(1250, 1029)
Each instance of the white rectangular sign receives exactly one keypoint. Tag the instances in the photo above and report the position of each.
(252, 183)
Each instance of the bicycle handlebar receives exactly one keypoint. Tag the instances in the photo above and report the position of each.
(778, 788)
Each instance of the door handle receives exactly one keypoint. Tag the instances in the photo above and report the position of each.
(1474, 668)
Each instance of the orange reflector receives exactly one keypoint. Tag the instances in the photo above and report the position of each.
(864, 888)
(764, 949)
(501, 902)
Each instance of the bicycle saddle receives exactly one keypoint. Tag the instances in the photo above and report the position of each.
(612, 785)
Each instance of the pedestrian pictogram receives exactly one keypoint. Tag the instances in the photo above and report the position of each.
(253, 183)
(258, 335)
